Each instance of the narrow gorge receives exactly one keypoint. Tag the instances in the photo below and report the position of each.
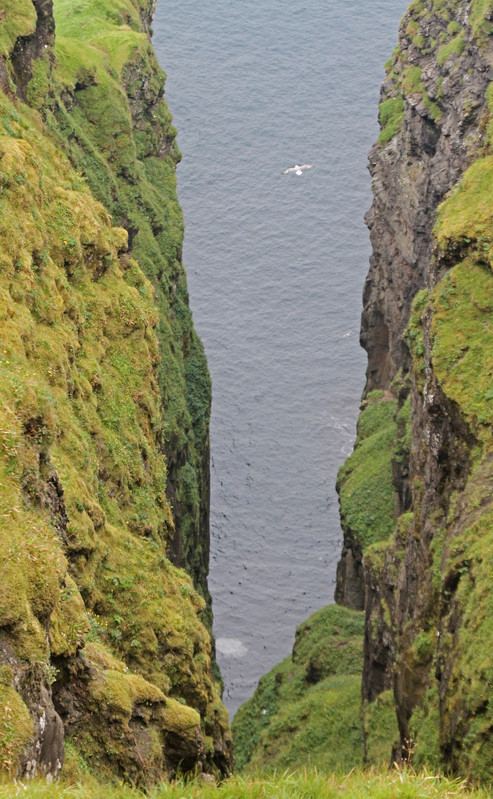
(107, 661)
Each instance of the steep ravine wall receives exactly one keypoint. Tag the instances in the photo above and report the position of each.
(418, 578)
(433, 114)
(106, 661)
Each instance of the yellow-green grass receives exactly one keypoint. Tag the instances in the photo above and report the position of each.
(308, 784)
(80, 418)
(466, 216)
(364, 482)
(462, 302)
(307, 710)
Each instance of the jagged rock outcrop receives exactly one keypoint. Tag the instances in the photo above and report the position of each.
(35, 48)
(105, 656)
(441, 128)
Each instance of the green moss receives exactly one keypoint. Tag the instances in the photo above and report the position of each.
(116, 693)
(461, 303)
(113, 122)
(454, 47)
(412, 28)
(307, 709)
(17, 18)
(466, 699)
(453, 28)
(381, 730)
(479, 17)
(366, 492)
(69, 621)
(391, 116)
(466, 216)
(322, 729)
(412, 84)
(455, 715)
(16, 727)
(84, 517)
(403, 443)
(415, 337)
(463, 341)
(425, 731)
(181, 720)
(419, 42)
(39, 84)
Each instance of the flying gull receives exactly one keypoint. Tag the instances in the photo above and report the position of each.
(297, 168)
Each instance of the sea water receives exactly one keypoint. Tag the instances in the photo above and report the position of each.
(276, 264)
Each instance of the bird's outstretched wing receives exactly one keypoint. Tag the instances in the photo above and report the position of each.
(297, 168)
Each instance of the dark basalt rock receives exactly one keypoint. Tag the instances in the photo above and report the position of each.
(38, 45)
(411, 175)
(45, 752)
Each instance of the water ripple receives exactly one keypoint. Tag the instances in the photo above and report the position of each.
(276, 265)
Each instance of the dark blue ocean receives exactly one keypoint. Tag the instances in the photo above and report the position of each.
(276, 265)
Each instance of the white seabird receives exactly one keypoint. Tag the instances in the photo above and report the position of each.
(297, 168)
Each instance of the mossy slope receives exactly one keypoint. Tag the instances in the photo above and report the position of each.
(367, 496)
(98, 628)
(457, 322)
(307, 709)
(110, 116)
(416, 492)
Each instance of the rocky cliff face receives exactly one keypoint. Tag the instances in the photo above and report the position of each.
(105, 658)
(425, 580)
(433, 113)
(117, 132)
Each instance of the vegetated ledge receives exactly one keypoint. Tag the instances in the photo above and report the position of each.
(416, 492)
(105, 660)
